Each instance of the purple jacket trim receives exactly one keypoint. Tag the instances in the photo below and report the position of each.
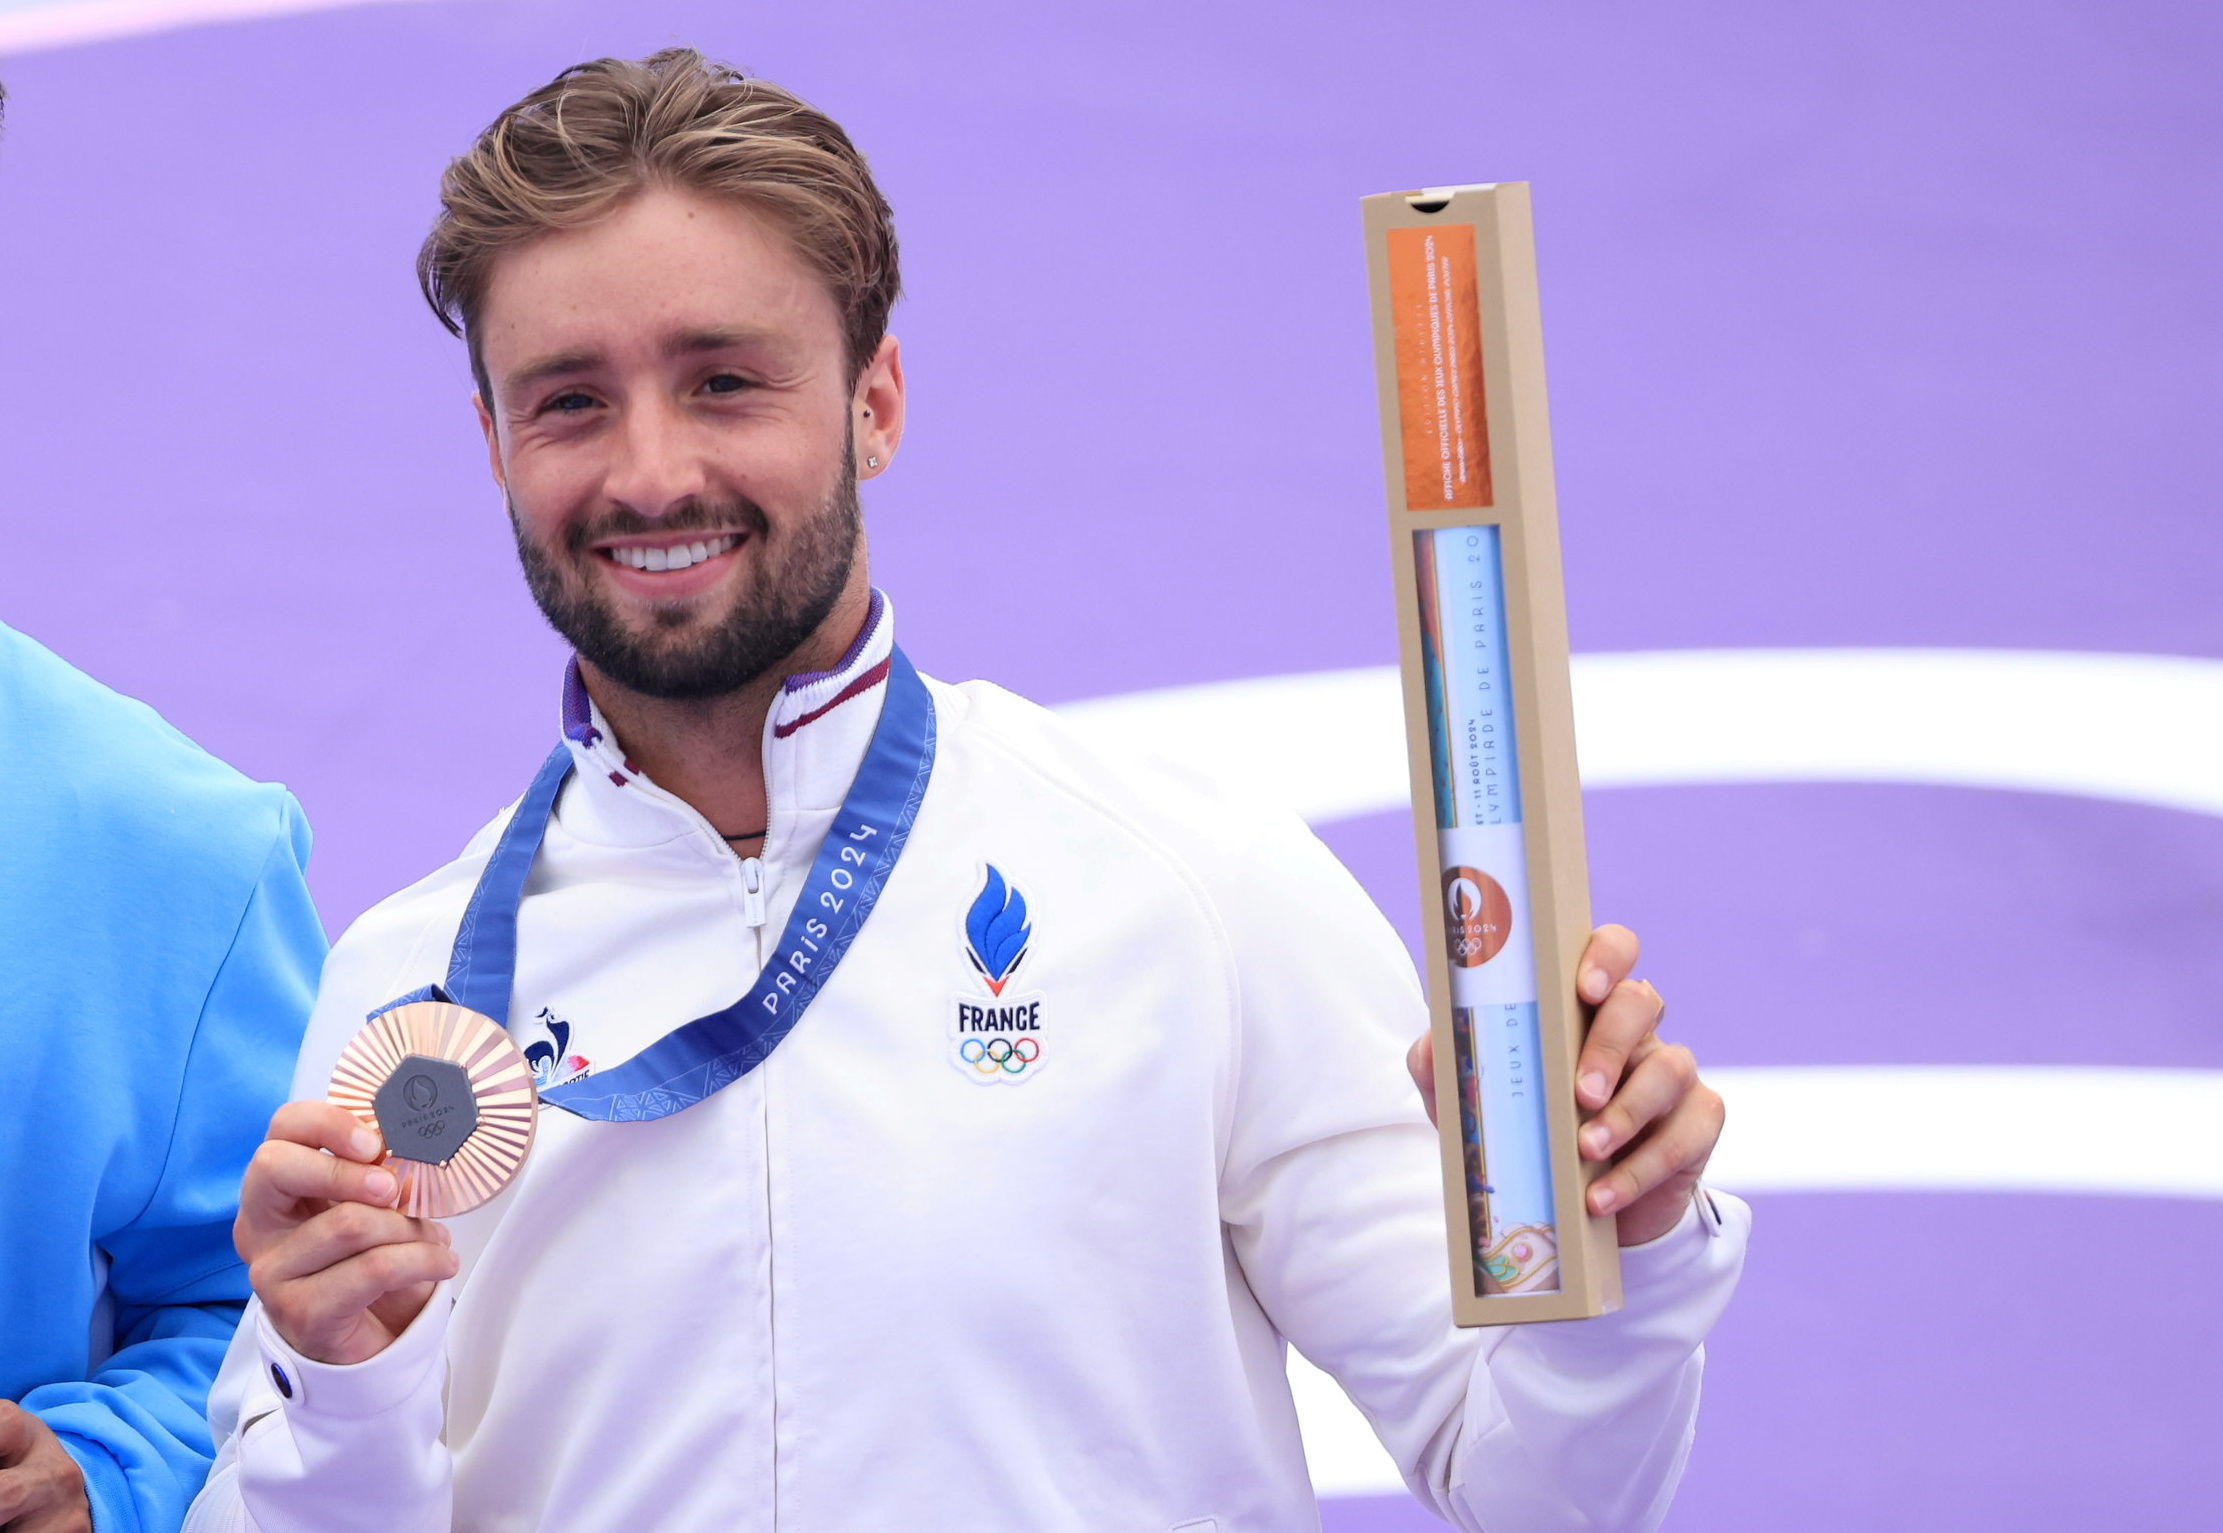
(578, 714)
(855, 651)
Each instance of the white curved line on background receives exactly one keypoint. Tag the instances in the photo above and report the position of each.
(2142, 729)
(27, 26)
(1972, 1128)
(2132, 728)
(1894, 1128)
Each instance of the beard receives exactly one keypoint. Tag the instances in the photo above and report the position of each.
(789, 589)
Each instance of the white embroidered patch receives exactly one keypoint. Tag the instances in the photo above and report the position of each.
(997, 1037)
(546, 1041)
(999, 1040)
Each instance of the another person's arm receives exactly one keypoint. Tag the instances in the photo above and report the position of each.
(135, 1431)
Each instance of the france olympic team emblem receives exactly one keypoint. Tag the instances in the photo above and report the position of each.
(997, 1039)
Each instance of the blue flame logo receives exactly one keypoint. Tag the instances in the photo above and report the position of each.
(996, 931)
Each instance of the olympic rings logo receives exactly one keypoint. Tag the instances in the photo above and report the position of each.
(992, 1055)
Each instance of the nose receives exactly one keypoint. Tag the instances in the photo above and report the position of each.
(655, 466)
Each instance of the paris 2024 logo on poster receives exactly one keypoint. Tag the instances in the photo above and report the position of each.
(1477, 917)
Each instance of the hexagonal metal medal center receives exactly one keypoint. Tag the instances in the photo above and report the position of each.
(426, 1109)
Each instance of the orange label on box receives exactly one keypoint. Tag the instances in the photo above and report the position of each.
(1436, 320)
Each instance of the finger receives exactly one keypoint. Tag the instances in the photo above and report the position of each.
(322, 1126)
(1420, 1063)
(1606, 961)
(339, 1232)
(46, 1492)
(18, 1427)
(1620, 1027)
(309, 1140)
(287, 1184)
(1656, 1084)
(308, 1306)
(16, 1489)
(281, 1175)
(1678, 1146)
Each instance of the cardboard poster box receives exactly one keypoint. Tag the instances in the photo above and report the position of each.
(1497, 804)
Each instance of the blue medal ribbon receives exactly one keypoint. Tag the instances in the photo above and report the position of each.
(692, 1061)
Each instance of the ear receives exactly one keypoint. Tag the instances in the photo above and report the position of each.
(876, 409)
(493, 442)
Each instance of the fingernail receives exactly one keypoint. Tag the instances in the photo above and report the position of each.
(1594, 1087)
(440, 1233)
(1595, 985)
(362, 1144)
(1594, 1139)
(1601, 1200)
(379, 1185)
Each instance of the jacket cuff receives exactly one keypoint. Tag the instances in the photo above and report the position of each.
(1673, 1289)
(1706, 1242)
(368, 1388)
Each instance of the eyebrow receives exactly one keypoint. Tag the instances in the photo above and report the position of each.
(684, 343)
(560, 365)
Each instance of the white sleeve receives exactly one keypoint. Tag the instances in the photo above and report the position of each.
(355, 1447)
(1587, 1424)
(309, 1447)
(231, 1400)
(1332, 1196)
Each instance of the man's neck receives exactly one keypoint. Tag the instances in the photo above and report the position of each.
(710, 751)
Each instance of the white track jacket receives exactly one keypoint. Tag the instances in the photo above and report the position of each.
(868, 1287)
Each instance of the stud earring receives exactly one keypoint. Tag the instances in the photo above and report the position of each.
(872, 463)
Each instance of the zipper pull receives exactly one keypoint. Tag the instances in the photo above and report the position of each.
(752, 891)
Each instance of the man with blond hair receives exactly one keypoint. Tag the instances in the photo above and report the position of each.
(1057, 1096)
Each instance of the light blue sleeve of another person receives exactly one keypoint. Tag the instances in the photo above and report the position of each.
(138, 1426)
(161, 955)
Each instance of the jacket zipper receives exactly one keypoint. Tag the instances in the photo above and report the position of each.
(753, 913)
(752, 891)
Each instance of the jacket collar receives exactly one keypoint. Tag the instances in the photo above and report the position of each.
(814, 739)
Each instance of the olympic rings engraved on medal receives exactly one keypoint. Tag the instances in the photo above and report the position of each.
(982, 1054)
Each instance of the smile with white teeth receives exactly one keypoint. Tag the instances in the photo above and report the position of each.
(678, 557)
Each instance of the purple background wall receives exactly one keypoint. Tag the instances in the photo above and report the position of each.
(1874, 323)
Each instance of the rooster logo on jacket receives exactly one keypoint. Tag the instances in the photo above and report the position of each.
(547, 1039)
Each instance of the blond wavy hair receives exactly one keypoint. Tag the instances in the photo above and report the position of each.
(599, 133)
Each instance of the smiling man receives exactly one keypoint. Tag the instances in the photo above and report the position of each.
(942, 1128)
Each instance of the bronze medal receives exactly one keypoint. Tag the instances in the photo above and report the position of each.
(451, 1097)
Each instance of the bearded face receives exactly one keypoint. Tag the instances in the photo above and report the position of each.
(675, 422)
(685, 649)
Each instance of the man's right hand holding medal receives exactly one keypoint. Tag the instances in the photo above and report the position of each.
(339, 1270)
